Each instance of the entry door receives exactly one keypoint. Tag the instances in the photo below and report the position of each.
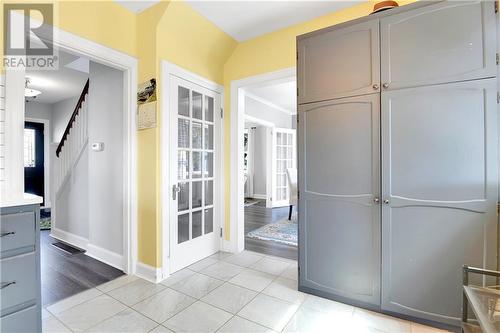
(34, 159)
(195, 156)
(439, 155)
(284, 157)
(339, 210)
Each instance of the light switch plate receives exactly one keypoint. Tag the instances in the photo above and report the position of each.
(97, 146)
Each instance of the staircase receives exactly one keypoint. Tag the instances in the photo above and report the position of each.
(74, 140)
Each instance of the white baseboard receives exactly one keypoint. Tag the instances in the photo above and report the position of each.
(106, 256)
(149, 273)
(259, 196)
(227, 246)
(69, 238)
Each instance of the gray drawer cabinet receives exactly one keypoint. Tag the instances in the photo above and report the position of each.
(20, 306)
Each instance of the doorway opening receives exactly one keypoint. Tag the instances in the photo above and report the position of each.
(264, 218)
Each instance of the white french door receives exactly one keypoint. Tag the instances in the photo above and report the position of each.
(195, 155)
(284, 157)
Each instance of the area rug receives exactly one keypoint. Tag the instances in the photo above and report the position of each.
(45, 223)
(283, 231)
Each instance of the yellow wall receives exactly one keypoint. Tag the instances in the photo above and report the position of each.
(272, 52)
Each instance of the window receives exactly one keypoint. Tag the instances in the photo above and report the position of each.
(29, 148)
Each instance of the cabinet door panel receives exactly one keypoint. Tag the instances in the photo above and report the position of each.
(439, 175)
(446, 42)
(339, 179)
(339, 63)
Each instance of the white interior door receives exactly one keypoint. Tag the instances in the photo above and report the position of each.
(195, 156)
(284, 157)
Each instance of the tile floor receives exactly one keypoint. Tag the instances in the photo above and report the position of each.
(246, 292)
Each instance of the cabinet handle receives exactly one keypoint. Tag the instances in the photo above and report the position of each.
(376, 200)
(3, 234)
(6, 284)
(386, 201)
(385, 85)
(375, 86)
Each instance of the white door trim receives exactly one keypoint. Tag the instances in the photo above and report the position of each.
(168, 69)
(237, 220)
(128, 65)
(46, 157)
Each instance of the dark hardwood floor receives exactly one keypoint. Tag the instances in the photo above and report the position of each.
(64, 275)
(258, 215)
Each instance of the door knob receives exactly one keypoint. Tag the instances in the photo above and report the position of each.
(175, 189)
(385, 85)
(376, 200)
(386, 201)
(375, 86)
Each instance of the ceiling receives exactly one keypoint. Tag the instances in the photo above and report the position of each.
(244, 20)
(282, 95)
(62, 84)
(137, 6)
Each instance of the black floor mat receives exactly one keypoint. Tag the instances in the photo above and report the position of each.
(67, 248)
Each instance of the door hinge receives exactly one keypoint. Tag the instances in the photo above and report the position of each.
(498, 97)
(221, 113)
(498, 58)
(220, 232)
(297, 55)
(496, 6)
(297, 91)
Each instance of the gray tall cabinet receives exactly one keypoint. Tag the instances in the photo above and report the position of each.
(398, 175)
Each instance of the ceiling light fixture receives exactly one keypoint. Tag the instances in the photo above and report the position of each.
(28, 92)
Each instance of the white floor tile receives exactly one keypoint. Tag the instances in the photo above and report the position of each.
(285, 289)
(125, 321)
(90, 313)
(307, 320)
(326, 305)
(244, 258)
(221, 255)
(229, 297)
(116, 283)
(70, 302)
(161, 329)
(177, 276)
(269, 311)
(254, 280)
(380, 321)
(241, 325)
(199, 317)
(135, 291)
(204, 263)
(271, 266)
(164, 305)
(197, 285)
(291, 272)
(222, 270)
(46, 314)
(52, 325)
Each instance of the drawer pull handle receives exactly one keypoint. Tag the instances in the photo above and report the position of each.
(6, 284)
(3, 234)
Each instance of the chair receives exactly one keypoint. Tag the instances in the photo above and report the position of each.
(292, 185)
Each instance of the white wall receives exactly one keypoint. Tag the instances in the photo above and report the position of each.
(61, 113)
(263, 111)
(106, 120)
(38, 110)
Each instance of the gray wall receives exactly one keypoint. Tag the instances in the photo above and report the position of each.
(106, 167)
(263, 111)
(260, 160)
(61, 113)
(38, 110)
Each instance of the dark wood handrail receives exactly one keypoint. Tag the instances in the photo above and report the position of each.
(73, 117)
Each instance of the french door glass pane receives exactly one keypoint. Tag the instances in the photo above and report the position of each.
(209, 108)
(209, 136)
(197, 100)
(183, 101)
(183, 197)
(209, 220)
(196, 164)
(196, 224)
(197, 192)
(209, 192)
(196, 135)
(183, 164)
(183, 133)
(182, 228)
(208, 164)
